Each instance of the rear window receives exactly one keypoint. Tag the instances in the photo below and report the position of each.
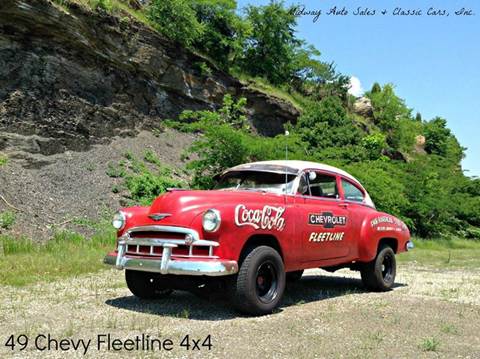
(352, 192)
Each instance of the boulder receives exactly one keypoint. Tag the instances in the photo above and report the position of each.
(363, 107)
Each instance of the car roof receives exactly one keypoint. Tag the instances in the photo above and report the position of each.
(290, 166)
(295, 167)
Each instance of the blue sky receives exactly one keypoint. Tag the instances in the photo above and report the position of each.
(433, 61)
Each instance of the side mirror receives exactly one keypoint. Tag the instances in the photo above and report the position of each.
(312, 176)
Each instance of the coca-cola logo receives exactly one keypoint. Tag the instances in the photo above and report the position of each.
(268, 217)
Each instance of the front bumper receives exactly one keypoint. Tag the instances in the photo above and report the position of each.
(167, 265)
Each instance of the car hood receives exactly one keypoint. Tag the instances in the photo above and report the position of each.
(183, 206)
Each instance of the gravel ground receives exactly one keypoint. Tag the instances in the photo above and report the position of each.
(62, 187)
(322, 316)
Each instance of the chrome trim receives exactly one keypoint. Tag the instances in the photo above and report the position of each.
(175, 266)
(160, 242)
(409, 246)
(159, 216)
(173, 229)
(217, 213)
(127, 240)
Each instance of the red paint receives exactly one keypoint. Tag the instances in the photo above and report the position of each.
(286, 219)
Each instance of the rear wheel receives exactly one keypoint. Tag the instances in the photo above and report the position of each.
(379, 274)
(260, 283)
(147, 285)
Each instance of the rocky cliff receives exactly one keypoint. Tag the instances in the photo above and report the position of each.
(70, 78)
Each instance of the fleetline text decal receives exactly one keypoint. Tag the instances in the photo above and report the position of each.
(326, 219)
(326, 236)
(268, 217)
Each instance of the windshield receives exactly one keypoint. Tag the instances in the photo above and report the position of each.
(256, 181)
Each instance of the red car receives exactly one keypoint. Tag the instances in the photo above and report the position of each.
(263, 224)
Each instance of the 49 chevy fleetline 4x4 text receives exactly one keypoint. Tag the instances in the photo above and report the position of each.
(263, 225)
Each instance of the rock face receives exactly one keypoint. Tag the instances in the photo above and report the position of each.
(70, 78)
(363, 107)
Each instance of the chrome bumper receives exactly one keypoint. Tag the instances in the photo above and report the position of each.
(409, 246)
(167, 265)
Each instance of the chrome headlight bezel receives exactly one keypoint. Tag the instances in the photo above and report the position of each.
(119, 220)
(211, 220)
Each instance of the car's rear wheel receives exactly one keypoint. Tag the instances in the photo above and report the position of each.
(147, 285)
(259, 285)
(294, 276)
(379, 274)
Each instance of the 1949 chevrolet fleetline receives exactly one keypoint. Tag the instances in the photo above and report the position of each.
(263, 224)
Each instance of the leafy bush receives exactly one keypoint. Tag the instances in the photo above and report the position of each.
(429, 193)
(7, 219)
(325, 124)
(223, 32)
(175, 19)
(145, 183)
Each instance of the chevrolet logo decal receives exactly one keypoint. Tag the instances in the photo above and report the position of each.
(159, 216)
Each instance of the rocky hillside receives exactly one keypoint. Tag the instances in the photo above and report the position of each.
(73, 83)
(70, 78)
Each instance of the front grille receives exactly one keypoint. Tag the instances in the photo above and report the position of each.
(153, 234)
(149, 241)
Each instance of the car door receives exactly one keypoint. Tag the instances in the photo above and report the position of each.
(354, 199)
(323, 220)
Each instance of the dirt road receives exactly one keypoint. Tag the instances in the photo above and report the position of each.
(430, 313)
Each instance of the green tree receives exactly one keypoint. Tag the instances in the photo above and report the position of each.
(436, 136)
(175, 19)
(224, 31)
(376, 88)
(326, 124)
(270, 49)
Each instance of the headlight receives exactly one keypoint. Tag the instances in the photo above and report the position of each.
(211, 220)
(119, 220)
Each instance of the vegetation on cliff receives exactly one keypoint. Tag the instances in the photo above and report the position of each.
(421, 183)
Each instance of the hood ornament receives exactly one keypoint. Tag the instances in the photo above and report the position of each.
(159, 216)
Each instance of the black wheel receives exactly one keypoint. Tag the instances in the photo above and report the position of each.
(147, 285)
(259, 285)
(294, 276)
(379, 274)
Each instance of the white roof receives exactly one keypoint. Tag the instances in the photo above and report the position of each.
(297, 165)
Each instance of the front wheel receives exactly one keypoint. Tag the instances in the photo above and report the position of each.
(147, 285)
(379, 274)
(259, 285)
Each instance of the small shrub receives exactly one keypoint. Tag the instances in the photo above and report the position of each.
(115, 171)
(7, 219)
(3, 160)
(430, 344)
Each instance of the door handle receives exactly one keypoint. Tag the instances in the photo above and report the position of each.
(343, 205)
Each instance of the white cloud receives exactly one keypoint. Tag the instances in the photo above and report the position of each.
(355, 87)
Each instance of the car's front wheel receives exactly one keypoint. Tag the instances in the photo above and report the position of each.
(379, 274)
(146, 285)
(259, 285)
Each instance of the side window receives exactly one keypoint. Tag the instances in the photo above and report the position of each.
(352, 193)
(324, 186)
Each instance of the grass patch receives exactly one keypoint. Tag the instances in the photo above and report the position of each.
(444, 253)
(67, 254)
(3, 160)
(430, 344)
(262, 85)
(7, 219)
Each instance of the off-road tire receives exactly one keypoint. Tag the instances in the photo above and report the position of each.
(294, 276)
(379, 274)
(145, 285)
(259, 285)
